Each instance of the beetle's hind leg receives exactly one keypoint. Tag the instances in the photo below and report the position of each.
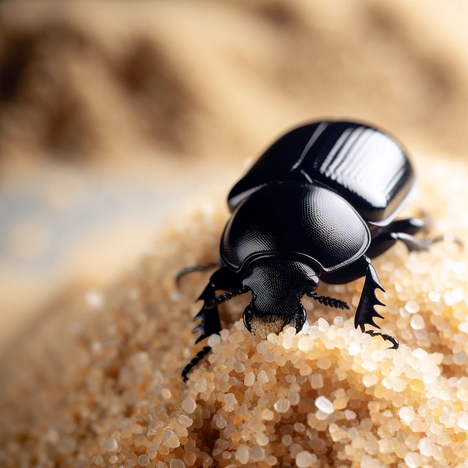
(223, 279)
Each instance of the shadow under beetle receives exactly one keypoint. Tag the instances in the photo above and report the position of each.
(319, 204)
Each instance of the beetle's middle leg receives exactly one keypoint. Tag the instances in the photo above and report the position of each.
(404, 230)
(223, 279)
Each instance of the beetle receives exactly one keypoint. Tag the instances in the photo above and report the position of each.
(319, 204)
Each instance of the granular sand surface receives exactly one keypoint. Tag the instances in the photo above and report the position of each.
(100, 386)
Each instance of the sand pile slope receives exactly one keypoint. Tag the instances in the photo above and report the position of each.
(100, 385)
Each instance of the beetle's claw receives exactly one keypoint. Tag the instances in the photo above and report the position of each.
(248, 314)
(301, 317)
(386, 337)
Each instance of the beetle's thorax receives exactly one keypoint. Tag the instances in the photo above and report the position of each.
(277, 287)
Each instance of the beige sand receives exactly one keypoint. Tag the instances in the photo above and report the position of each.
(102, 386)
(94, 381)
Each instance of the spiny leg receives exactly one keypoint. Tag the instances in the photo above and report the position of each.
(366, 313)
(223, 279)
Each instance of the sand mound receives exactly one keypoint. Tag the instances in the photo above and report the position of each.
(101, 386)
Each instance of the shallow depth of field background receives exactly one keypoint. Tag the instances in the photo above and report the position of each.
(113, 114)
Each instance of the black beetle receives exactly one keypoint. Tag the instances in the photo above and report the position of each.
(318, 204)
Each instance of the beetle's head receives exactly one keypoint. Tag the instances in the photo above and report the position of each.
(277, 287)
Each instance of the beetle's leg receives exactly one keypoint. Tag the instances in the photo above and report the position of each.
(188, 270)
(403, 230)
(383, 242)
(200, 355)
(347, 274)
(223, 279)
(408, 225)
(414, 225)
(300, 318)
(366, 313)
(394, 341)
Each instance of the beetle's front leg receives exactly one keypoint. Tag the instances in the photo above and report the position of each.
(386, 337)
(366, 313)
(223, 279)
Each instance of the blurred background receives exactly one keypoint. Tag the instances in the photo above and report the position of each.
(113, 114)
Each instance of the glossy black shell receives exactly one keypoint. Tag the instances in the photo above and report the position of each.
(295, 221)
(362, 164)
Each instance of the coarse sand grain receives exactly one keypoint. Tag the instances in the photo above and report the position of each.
(100, 386)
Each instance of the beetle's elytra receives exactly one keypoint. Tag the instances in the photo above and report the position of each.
(318, 205)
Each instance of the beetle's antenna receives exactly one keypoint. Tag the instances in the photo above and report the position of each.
(329, 301)
(200, 355)
(211, 304)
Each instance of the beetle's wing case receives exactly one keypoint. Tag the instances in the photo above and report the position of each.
(274, 165)
(294, 220)
(362, 164)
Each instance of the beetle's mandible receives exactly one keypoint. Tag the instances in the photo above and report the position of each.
(319, 204)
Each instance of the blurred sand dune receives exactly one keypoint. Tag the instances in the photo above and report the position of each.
(95, 80)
